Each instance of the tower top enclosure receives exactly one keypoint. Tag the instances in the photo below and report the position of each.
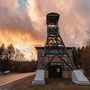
(52, 18)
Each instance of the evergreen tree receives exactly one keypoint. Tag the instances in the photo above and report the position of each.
(10, 51)
(2, 51)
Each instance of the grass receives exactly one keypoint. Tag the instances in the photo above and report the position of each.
(58, 84)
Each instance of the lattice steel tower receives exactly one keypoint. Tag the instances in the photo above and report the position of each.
(54, 43)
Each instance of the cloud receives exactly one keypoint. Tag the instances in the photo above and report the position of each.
(30, 27)
(74, 21)
(14, 21)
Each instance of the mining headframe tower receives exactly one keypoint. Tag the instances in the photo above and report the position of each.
(55, 59)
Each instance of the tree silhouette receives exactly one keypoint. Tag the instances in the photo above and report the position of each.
(6, 55)
(2, 51)
(10, 51)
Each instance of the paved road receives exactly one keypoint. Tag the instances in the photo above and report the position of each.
(13, 77)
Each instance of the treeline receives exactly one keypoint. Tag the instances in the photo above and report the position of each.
(7, 62)
(16, 66)
(82, 59)
(23, 67)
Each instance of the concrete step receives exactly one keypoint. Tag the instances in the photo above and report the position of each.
(39, 78)
(79, 78)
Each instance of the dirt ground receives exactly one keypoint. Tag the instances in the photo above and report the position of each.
(54, 84)
(24, 84)
(7, 82)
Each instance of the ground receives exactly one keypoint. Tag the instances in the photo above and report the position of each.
(16, 81)
(51, 84)
(57, 84)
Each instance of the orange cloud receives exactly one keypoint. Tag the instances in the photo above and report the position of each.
(28, 29)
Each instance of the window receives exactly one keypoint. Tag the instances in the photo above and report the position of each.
(56, 51)
(53, 63)
(65, 66)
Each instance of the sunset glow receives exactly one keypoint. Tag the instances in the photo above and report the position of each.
(27, 29)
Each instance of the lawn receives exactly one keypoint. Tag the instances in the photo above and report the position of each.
(57, 84)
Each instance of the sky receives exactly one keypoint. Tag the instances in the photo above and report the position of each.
(23, 23)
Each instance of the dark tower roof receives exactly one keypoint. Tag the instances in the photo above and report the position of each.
(52, 18)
